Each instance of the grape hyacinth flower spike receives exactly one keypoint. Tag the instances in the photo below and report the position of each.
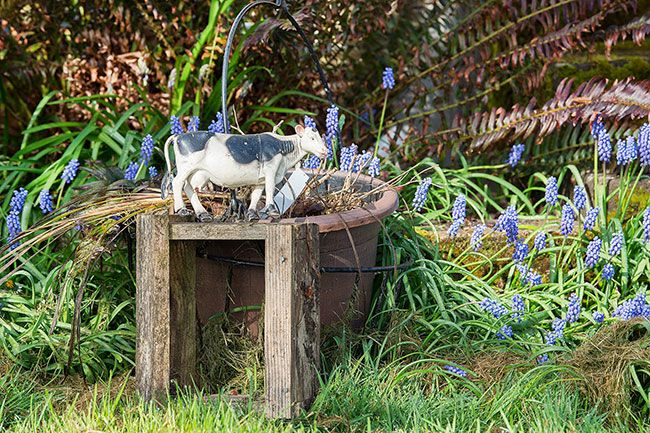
(193, 124)
(598, 317)
(455, 370)
(604, 146)
(540, 241)
(508, 222)
(521, 251)
(153, 172)
(616, 244)
(551, 191)
(388, 79)
(573, 311)
(593, 252)
(493, 307)
(579, 197)
(309, 122)
(18, 199)
(608, 272)
(421, 194)
(568, 220)
(590, 218)
(146, 149)
(45, 201)
(312, 162)
(458, 211)
(643, 141)
(518, 307)
(131, 171)
(374, 168)
(476, 241)
(70, 171)
(176, 127)
(217, 126)
(515, 154)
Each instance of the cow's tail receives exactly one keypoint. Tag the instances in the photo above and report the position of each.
(166, 183)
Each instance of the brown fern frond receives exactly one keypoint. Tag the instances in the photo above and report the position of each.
(639, 28)
(623, 99)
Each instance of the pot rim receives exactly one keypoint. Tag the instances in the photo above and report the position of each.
(373, 212)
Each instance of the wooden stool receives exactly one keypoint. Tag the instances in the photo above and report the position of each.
(166, 306)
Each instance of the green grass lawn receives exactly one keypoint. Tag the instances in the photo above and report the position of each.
(355, 397)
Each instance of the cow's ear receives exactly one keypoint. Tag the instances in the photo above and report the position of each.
(300, 129)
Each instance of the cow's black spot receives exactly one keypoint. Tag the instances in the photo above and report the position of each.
(261, 147)
(191, 142)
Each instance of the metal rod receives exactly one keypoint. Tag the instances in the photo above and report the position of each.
(323, 269)
(277, 4)
(226, 57)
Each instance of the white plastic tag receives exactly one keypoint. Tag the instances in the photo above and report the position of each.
(291, 190)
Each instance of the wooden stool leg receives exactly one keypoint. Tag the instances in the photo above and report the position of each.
(152, 305)
(182, 284)
(291, 318)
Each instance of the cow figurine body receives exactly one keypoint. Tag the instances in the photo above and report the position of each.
(233, 161)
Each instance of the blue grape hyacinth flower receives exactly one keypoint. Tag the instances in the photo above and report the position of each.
(476, 241)
(590, 219)
(508, 222)
(608, 272)
(309, 122)
(598, 317)
(505, 332)
(604, 146)
(374, 167)
(579, 197)
(131, 171)
(332, 121)
(558, 326)
(153, 172)
(458, 210)
(347, 156)
(70, 171)
(551, 191)
(567, 221)
(515, 154)
(421, 194)
(521, 251)
(388, 79)
(45, 201)
(643, 141)
(493, 307)
(518, 307)
(146, 149)
(454, 228)
(455, 370)
(596, 127)
(616, 244)
(633, 308)
(217, 126)
(176, 127)
(193, 124)
(593, 252)
(312, 162)
(573, 310)
(17, 201)
(540, 241)
(646, 224)
(13, 228)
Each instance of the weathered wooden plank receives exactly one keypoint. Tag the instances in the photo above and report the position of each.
(291, 318)
(152, 305)
(217, 231)
(182, 306)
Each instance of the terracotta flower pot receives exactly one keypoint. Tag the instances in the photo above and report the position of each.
(240, 289)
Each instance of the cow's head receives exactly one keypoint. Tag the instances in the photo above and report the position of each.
(311, 141)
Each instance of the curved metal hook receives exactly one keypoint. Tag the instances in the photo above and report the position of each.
(277, 4)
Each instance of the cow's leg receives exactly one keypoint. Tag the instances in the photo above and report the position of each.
(251, 214)
(270, 210)
(177, 186)
(197, 181)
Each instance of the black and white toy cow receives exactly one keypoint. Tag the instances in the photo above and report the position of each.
(233, 161)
